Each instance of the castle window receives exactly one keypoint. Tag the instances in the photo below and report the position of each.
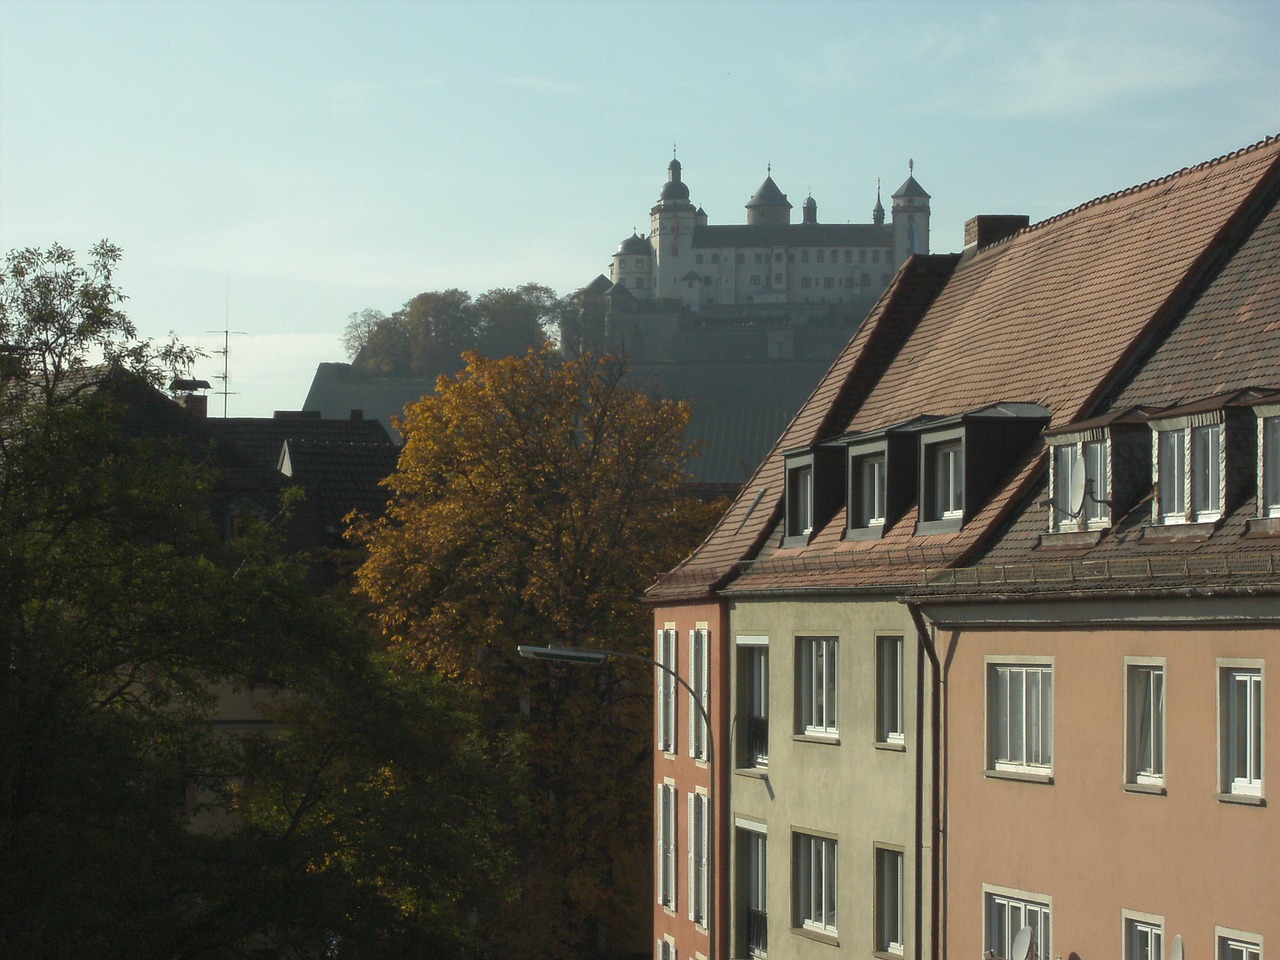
(778, 256)
(706, 281)
(697, 258)
(828, 282)
(806, 283)
(715, 258)
(875, 256)
(759, 258)
(820, 255)
(862, 256)
(848, 256)
(741, 258)
(755, 279)
(835, 255)
(777, 279)
(804, 256)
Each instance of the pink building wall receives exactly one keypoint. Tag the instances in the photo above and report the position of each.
(1085, 841)
(689, 774)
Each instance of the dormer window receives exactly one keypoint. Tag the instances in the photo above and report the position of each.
(882, 466)
(1188, 472)
(868, 500)
(800, 501)
(1081, 486)
(1269, 462)
(944, 471)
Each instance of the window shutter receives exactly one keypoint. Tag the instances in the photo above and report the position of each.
(662, 700)
(660, 846)
(693, 707)
(706, 686)
(693, 856)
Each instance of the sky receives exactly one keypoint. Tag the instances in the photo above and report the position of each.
(271, 167)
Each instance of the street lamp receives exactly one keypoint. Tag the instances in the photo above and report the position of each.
(582, 656)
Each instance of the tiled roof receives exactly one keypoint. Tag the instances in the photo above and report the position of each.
(343, 475)
(1058, 315)
(262, 438)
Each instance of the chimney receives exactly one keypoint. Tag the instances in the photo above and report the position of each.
(357, 413)
(196, 405)
(985, 230)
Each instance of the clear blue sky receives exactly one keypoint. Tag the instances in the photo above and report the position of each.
(274, 166)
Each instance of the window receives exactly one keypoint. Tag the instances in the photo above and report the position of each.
(777, 279)
(821, 255)
(867, 498)
(639, 282)
(1144, 698)
(666, 872)
(1143, 939)
(759, 258)
(848, 256)
(875, 256)
(1237, 945)
(828, 283)
(666, 949)
(697, 258)
(667, 691)
(816, 677)
(889, 727)
(778, 257)
(1080, 466)
(1189, 458)
(755, 279)
(835, 255)
(800, 501)
(1240, 728)
(754, 929)
(1020, 717)
(944, 481)
(740, 258)
(753, 689)
(862, 256)
(1269, 485)
(698, 826)
(715, 258)
(814, 882)
(1009, 913)
(699, 670)
(889, 901)
(804, 256)
(806, 283)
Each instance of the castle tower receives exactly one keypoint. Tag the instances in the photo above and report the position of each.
(671, 223)
(810, 210)
(910, 218)
(877, 212)
(769, 207)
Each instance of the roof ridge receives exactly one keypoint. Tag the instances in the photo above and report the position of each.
(1267, 141)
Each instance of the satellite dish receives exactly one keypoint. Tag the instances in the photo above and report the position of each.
(1076, 498)
(1021, 948)
(1176, 952)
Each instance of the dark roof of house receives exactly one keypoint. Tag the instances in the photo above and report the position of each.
(345, 475)
(263, 438)
(1058, 315)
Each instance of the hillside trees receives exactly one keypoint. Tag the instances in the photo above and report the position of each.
(124, 616)
(429, 334)
(535, 498)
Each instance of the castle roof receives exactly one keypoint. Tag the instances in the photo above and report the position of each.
(634, 245)
(769, 196)
(910, 189)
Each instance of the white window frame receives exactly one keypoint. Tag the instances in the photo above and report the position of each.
(1020, 721)
(890, 900)
(1143, 936)
(665, 874)
(1145, 703)
(698, 877)
(666, 694)
(666, 949)
(1005, 911)
(753, 849)
(753, 696)
(1268, 461)
(868, 493)
(1092, 454)
(815, 878)
(890, 689)
(1232, 944)
(700, 680)
(800, 500)
(817, 685)
(1189, 469)
(944, 475)
(1241, 727)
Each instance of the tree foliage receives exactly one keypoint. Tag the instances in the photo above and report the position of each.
(431, 332)
(535, 498)
(124, 618)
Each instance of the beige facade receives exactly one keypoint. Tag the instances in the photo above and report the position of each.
(842, 769)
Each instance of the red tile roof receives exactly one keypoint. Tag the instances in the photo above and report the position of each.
(1059, 314)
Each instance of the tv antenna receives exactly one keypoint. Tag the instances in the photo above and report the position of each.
(225, 352)
(1022, 948)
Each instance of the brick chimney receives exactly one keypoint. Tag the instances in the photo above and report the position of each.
(985, 230)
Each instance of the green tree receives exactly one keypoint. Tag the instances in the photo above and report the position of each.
(535, 498)
(124, 619)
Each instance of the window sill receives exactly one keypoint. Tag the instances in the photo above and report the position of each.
(873, 531)
(755, 773)
(1019, 776)
(1178, 532)
(887, 954)
(819, 935)
(1262, 527)
(1151, 789)
(831, 739)
(796, 540)
(1243, 799)
(925, 528)
(1069, 539)
(893, 746)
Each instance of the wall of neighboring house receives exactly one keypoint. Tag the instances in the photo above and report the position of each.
(855, 784)
(1096, 833)
(679, 767)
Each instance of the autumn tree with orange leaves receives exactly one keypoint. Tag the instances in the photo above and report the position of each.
(535, 498)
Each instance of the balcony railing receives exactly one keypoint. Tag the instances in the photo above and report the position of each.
(756, 741)
(757, 932)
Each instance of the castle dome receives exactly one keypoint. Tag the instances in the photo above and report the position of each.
(673, 189)
(634, 245)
